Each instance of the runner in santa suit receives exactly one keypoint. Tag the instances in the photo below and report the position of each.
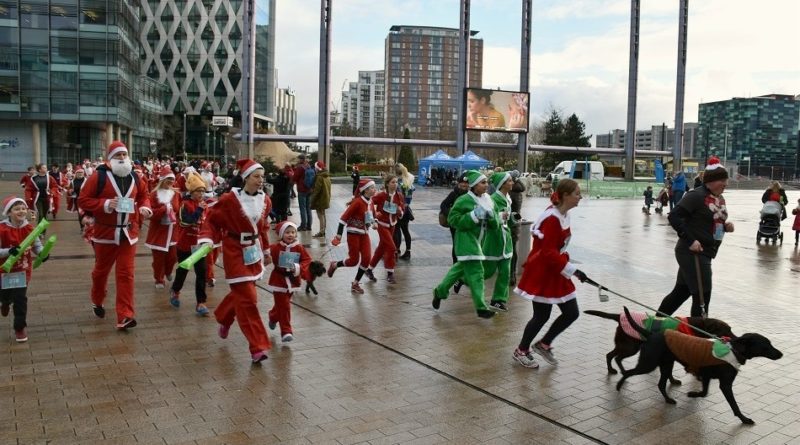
(39, 190)
(161, 236)
(61, 181)
(74, 191)
(117, 209)
(358, 218)
(389, 206)
(242, 215)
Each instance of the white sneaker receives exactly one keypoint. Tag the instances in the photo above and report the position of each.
(159, 285)
(525, 359)
(546, 354)
(287, 338)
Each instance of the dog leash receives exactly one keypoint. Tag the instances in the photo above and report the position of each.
(656, 311)
(700, 297)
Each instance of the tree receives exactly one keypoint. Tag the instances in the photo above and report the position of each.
(573, 133)
(569, 133)
(406, 156)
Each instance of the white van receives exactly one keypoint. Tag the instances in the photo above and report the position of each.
(577, 170)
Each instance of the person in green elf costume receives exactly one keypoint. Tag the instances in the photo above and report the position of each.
(497, 245)
(472, 215)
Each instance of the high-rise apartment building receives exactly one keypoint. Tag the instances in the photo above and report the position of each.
(285, 111)
(195, 48)
(363, 103)
(658, 137)
(69, 79)
(762, 129)
(421, 65)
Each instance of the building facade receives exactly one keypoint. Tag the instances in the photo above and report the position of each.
(285, 111)
(658, 137)
(421, 66)
(69, 77)
(755, 133)
(363, 103)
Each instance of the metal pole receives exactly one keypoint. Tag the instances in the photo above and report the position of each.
(725, 147)
(683, 27)
(463, 77)
(248, 68)
(524, 77)
(633, 69)
(324, 123)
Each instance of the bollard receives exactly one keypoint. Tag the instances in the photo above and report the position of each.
(524, 243)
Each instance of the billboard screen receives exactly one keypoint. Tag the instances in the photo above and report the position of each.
(495, 110)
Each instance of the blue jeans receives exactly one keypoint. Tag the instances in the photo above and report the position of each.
(305, 210)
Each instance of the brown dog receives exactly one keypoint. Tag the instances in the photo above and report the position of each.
(627, 341)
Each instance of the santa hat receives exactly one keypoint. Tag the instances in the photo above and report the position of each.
(116, 147)
(282, 226)
(11, 201)
(365, 184)
(319, 166)
(499, 178)
(165, 173)
(714, 171)
(194, 181)
(247, 166)
(79, 170)
(474, 177)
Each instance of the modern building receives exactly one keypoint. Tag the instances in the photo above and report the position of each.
(421, 65)
(755, 133)
(363, 103)
(658, 137)
(69, 79)
(195, 48)
(285, 111)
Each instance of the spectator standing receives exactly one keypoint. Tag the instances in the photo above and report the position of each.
(355, 177)
(281, 185)
(303, 192)
(516, 208)
(679, 187)
(321, 196)
(405, 185)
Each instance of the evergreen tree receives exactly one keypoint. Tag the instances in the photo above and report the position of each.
(569, 133)
(573, 133)
(406, 156)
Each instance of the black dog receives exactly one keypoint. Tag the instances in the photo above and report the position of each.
(626, 346)
(662, 349)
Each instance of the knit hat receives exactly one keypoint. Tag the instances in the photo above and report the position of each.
(116, 147)
(365, 184)
(165, 173)
(499, 178)
(474, 177)
(247, 166)
(714, 171)
(194, 182)
(319, 166)
(282, 226)
(10, 201)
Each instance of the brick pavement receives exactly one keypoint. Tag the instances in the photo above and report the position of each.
(383, 367)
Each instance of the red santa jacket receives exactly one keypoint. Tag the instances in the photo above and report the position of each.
(379, 202)
(283, 280)
(547, 271)
(32, 192)
(238, 220)
(163, 224)
(354, 216)
(109, 225)
(11, 236)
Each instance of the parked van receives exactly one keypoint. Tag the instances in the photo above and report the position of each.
(579, 170)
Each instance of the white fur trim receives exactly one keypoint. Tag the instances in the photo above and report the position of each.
(116, 150)
(252, 206)
(541, 299)
(569, 270)
(11, 203)
(165, 195)
(250, 170)
(366, 186)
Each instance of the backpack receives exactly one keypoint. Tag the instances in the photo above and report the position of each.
(101, 180)
(308, 177)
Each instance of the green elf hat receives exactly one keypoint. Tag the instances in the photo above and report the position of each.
(474, 177)
(499, 178)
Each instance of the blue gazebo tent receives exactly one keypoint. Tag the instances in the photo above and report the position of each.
(439, 159)
(471, 161)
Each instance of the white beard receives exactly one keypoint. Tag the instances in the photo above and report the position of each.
(121, 167)
(165, 195)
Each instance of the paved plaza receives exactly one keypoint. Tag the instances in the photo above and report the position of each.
(384, 367)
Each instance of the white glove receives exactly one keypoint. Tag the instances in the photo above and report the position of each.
(145, 212)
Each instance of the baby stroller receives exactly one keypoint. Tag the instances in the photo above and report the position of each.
(769, 227)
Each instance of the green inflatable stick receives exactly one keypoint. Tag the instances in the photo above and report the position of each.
(26, 243)
(198, 254)
(48, 246)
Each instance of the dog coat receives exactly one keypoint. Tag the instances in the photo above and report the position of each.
(653, 324)
(696, 352)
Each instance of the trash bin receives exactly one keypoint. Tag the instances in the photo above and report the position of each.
(524, 242)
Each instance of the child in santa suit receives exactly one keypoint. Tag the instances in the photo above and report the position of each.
(14, 285)
(118, 209)
(291, 265)
(161, 236)
(242, 215)
(546, 276)
(389, 207)
(358, 218)
(192, 213)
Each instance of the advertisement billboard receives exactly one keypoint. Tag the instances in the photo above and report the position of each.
(496, 110)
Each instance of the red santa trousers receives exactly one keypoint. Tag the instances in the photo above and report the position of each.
(105, 257)
(385, 249)
(211, 260)
(281, 313)
(358, 245)
(163, 263)
(241, 305)
(56, 203)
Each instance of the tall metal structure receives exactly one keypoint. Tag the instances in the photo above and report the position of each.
(463, 76)
(248, 73)
(524, 77)
(633, 73)
(683, 29)
(324, 121)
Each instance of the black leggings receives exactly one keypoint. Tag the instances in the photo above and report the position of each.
(18, 297)
(686, 284)
(402, 231)
(541, 313)
(199, 276)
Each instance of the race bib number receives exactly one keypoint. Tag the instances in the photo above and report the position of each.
(719, 231)
(251, 255)
(389, 207)
(124, 205)
(368, 218)
(287, 260)
(13, 280)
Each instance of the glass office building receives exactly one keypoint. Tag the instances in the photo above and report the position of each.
(69, 71)
(763, 129)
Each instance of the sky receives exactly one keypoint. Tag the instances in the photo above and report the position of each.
(579, 59)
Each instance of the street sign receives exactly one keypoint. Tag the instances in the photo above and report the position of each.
(222, 121)
(745, 158)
